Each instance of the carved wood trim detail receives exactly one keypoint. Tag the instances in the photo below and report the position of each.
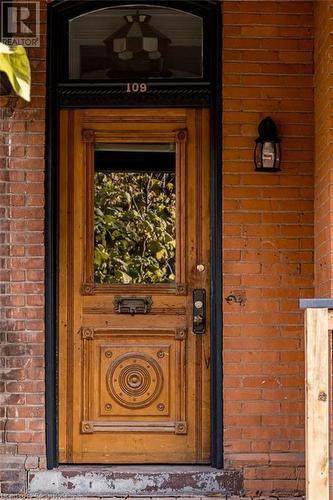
(198, 184)
(166, 311)
(88, 135)
(144, 136)
(181, 427)
(119, 332)
(87, 427)
(181, 289)
(152, 390)
(181, 334)
(132, 119)
(179, 137)
(88, 289)
(87, 333)
(182, 135)
(90, 427)
(108, 342)
(159, 289)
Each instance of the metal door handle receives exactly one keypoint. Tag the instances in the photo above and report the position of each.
(199, 310)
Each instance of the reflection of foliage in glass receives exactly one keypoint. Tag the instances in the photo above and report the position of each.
(135, 235)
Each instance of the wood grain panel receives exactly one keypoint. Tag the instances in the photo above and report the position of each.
(317, 403)
(133, 388)
(140, 376)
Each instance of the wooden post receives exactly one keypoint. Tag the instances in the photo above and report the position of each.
(317, 404)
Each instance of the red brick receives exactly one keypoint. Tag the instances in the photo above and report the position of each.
(267, 229)
(268, 317)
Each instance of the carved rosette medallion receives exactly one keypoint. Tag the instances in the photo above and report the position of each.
(134, 380)
(182, 135)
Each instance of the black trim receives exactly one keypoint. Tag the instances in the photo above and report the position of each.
(204, 93)
(216, 259)
(51, 238)
(77, 96)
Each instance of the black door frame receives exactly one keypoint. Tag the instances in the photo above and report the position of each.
(207, 95)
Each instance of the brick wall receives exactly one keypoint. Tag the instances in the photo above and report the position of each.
(323, 145)
(22, 283)
(268, 239)
(268, 252)
(323, 54)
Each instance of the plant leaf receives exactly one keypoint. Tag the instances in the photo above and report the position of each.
(15, 63)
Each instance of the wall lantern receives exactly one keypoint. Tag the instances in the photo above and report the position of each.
(267, 153)
(137, 49)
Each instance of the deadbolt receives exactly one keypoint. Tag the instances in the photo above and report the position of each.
(199, 310)
(200, 268)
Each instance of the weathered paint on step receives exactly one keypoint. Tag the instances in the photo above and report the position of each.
(132, 481)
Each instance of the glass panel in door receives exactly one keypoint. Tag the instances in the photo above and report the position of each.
(134, 213)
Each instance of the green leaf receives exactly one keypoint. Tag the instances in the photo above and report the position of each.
(15, 64)
(161, 255)
(135, 227)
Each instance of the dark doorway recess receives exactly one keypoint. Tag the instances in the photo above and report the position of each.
(201, 91)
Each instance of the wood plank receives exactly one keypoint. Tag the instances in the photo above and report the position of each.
(330, 319)
(317, 404)
(62, 277)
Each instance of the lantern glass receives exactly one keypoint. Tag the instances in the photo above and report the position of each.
(268, 155)
(257, 155)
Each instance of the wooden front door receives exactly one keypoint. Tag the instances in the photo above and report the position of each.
(134, 286)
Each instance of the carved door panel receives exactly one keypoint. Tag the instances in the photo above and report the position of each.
(133, 286)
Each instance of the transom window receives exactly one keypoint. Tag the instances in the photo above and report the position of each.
(135, 42)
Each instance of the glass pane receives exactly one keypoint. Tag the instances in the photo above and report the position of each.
(135, 213)
(135, 42)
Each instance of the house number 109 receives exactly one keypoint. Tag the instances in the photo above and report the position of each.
(137, 87)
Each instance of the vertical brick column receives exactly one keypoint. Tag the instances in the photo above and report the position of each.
(323, 55)
(268, 239)
(22, 433)
(323, 75)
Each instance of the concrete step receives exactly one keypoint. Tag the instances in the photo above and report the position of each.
(134, 481)
(215, 497)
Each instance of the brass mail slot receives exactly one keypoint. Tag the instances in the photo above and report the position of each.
(132, 305)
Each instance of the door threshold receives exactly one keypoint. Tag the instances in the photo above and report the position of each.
(134, 481)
